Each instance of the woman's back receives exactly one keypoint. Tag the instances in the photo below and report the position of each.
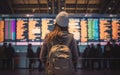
(59, 34)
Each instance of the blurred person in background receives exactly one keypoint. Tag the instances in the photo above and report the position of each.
(30, 56)
(85, 58)
(107, 55)
(39, 61)
(98, 55)
(10, 56)
(3, 56)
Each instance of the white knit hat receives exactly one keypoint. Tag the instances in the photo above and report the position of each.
(62, 19)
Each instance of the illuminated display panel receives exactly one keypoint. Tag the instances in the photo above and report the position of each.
(10, 32)
(1, 31)
(86, 29)
(22, 31)
(47, 26)
(83, 25)
(93, 30)
(116, 29)
(105, 29)
(34, 31)
(74, 27)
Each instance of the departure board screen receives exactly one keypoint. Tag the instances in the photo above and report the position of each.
(105, 29)
(116, 29)
(93, 31)
(1, 30)
(22, 31)
(34, 29)
(74, 27)
(47, 26)
(10, 31)
(83, 32)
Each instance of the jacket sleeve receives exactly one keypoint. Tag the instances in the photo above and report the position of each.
(43, 53)
(73, 47)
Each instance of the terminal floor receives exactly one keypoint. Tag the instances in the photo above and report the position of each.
(80, 72)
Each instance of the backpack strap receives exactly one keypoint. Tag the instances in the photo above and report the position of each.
(70, 36)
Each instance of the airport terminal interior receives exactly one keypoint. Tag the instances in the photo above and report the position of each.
(95, 25)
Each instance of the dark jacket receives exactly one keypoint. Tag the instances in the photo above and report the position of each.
(10, 52)
(47, 46)
(30, 53)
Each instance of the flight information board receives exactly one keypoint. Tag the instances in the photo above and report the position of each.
(74, 27)
(1, 30)
(86, 29)
(93, 31)
(116, 29)
(10, 31)
(105, 29)
(22, 31)
(47, 25)
(34, 29)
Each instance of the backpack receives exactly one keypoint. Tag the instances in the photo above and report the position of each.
(60, 59)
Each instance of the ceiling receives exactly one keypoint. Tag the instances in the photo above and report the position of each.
(55, 6)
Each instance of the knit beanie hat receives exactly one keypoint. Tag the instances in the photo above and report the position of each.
(62, 19)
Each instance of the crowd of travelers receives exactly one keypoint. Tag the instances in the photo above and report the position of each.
(94, 56)
(9, 58)
(98, 57)
(6, 55)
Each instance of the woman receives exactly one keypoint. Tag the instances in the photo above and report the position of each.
(59, 33)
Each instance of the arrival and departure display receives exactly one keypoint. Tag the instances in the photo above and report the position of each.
(1, 31)
(84, 31)
(74, 27)
(24, 30)
(116, 29)
(47, 25)
(34, 29)
(93, 31)
(10, 31)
